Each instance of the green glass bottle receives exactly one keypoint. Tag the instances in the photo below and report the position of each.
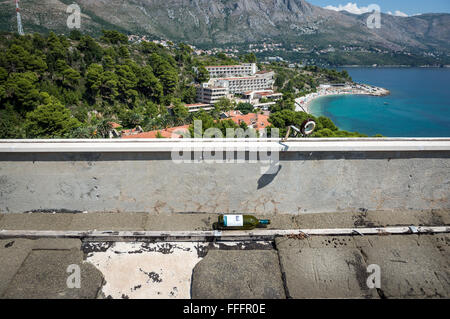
(240, 222)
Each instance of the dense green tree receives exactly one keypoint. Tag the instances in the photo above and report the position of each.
(11, 124)
(108, 63)
(50, 119)
(109, 88)
(18, 59)
(245, 108)
(326, 123)
(189, 94)
(123, 52)
(114, 37)
(286, 103)
(91, 50)
(70, 78)
(249, 58)
(180, 112)
(131, 119)
(75, 35)
(94, 78)
(207, 121)
(127, 83)
(202, 75)
(22, 92)
(223, 105)
(166, 73)
(149, 84)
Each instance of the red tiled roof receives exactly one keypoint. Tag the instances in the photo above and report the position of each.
(115, 125)
(130, 132)
(172, 132)
(258, 121)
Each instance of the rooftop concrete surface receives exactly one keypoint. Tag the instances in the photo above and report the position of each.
(202, 221)
(44, 275)
(37, 269)
(231, 274)
(335, 267)
(410, 269)
(12, 255)
(36, 221)
(412, 266)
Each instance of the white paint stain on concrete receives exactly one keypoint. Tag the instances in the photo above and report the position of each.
(147, 270)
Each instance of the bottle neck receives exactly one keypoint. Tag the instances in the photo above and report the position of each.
(264, 222)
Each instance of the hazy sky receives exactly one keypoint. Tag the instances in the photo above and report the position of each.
(409, 7)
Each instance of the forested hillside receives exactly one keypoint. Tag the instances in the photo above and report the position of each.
(74, 87)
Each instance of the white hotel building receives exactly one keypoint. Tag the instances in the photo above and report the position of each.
(223, 71)
(235, 79)
(263, 80)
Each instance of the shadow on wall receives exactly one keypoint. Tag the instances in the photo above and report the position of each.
(266, 179)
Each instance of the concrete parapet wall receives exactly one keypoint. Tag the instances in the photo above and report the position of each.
(139, 176)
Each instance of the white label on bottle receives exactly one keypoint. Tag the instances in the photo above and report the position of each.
(233, 220)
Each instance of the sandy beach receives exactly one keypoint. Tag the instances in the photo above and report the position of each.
(303, 103)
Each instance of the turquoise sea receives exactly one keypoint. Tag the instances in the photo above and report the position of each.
(419, 104)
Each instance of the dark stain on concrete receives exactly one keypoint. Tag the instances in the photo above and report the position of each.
(358, 264)
(136, 287)
(54, 210)
(337, 242)
(153, 276)
(202, 251)
(436, 219)
(163, 248)
(361, 219)
(89, 248)
(9, 244)
(174, 290)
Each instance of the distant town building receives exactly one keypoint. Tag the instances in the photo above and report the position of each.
(275, 59)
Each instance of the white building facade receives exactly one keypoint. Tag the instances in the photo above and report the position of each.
(210, 94)
(223, 71)
(238, 85)
(234, 79)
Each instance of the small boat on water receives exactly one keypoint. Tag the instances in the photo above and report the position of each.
(386, 103)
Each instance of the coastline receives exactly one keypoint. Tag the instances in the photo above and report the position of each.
(393, 66)
(304, 103)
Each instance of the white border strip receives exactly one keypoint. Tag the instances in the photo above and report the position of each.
(169, 145)
(258, 234)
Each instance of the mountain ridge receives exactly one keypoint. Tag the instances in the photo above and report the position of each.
(224, 22)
